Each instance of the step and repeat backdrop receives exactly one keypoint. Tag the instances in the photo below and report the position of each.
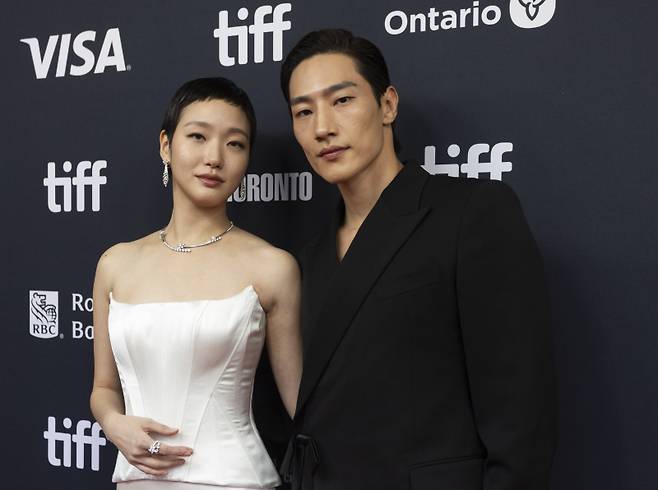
(556, 98)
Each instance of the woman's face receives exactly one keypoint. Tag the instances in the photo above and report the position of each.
(208, 153)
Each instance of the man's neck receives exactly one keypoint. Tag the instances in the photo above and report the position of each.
(362, 191)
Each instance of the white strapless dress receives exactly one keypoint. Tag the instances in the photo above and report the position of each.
(191, 365)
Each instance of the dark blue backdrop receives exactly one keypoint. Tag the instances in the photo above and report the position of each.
(568, 99)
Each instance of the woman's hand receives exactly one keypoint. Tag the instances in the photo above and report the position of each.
(133, 436)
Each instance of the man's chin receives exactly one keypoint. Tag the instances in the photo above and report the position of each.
(336, 175)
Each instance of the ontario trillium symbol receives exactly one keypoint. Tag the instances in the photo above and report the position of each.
(531, 7)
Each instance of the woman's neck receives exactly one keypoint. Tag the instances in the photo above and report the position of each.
(192, 224)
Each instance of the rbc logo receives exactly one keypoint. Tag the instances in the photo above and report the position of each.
(529, 14)
(258, 29)
(44, 314)
(80, 181)
(80, 439)
(111, 54)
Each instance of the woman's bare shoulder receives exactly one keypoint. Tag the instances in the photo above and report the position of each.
(123, 254)
(264, 254)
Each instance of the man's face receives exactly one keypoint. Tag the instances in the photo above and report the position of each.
(336, 119)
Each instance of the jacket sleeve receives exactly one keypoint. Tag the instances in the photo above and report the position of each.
(504, 315)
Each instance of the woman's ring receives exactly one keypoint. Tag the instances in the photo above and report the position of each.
(155, 448)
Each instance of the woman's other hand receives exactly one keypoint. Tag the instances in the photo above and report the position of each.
(133, 436)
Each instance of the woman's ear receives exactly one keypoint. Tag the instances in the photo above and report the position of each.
(165, 147)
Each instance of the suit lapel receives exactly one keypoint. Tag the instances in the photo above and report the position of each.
(320, 265)
(393, 219)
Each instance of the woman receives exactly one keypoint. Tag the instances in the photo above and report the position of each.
(180, 315)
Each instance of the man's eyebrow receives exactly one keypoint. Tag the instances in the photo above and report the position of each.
(325, 91)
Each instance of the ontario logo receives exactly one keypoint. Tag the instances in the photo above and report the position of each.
(44, 314)
(529, 14)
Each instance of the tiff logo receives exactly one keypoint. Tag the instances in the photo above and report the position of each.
(258, 29)
(110, 54)
(474, 166)
(80, 182)
(80, 439)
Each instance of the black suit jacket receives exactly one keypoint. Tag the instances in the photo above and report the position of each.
(427, 353)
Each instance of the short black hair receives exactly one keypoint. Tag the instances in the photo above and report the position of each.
(208, 89)
(367, 57)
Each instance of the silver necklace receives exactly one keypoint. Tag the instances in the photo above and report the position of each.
(181, 247)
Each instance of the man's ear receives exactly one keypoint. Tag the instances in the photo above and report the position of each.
(165, 147)
(389, 104)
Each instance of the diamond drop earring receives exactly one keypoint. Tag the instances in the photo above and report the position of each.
(243, 188)
(165, 173)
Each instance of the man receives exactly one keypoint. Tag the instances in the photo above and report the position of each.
(427, 354)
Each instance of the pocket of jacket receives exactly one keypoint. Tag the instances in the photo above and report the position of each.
(453, 474)
(404, 283)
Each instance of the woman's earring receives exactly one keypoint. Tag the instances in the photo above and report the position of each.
(243, 188)
(165, 173)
